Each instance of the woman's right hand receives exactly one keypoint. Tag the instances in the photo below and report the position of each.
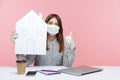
(14, 36)
(70, 41)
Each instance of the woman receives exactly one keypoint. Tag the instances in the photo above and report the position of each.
(59, 52)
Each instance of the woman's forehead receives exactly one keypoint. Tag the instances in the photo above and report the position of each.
(53, 20)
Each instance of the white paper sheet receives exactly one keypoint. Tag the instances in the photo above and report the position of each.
(32, 32)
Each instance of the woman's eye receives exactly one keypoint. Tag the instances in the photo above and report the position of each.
(50, 23)
(56, 24)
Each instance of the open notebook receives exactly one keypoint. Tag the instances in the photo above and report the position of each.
(80, 70)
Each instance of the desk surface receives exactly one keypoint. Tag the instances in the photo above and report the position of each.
(108, 73)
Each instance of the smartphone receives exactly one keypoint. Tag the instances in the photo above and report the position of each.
(31, 73)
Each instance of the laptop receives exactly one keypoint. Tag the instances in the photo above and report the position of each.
(80, 70)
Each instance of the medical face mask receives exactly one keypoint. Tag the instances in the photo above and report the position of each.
(52, 29)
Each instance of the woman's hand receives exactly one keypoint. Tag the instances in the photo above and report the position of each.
(14, 36)
(70, 41)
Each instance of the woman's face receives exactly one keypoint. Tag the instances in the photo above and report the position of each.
(53, 21)
(53, 27)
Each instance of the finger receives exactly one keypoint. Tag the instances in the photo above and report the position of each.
(71, 33)
(14, 33)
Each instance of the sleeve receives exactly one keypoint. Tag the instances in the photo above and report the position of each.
(29, 58)
(68, 55)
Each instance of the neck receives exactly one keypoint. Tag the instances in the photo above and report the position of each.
(51, 38)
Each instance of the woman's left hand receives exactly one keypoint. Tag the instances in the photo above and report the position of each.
(70, 41)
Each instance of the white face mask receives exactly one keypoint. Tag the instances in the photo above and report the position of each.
(53, 29)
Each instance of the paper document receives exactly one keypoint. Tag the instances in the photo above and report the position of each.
(32, 32)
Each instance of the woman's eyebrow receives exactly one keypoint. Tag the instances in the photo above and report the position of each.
(50, 22)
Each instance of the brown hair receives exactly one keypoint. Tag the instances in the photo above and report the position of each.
(59, 36)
